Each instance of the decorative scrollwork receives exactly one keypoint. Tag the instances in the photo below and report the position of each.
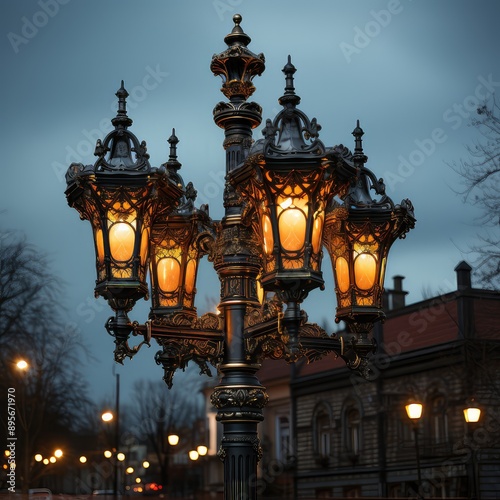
(224, 397)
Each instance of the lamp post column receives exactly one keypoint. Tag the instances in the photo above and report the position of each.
(239, 397)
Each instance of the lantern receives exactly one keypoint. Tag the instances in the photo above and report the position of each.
(414, 410)
(120, 195)
(289, 178)
(178, 241)
(358, 235)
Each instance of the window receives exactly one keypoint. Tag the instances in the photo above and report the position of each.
(323, 434)
(439, 420)
(322, 429)
(283, 444)
(353, 421)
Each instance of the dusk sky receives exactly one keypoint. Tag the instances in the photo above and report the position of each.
(412, 72)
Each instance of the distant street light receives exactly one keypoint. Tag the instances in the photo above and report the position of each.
(58, 453)
(194, 455)
(107, 416)
(108, 454)
(22, 364)
(472, 415)
(83, 459)
(120, 457)
(202, 450)
(173, 439)
(145, 464)
(38, 457)
(414, 412)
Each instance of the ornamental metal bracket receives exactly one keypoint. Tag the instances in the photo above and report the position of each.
(120, 328)
(265, 337)
(183, 338)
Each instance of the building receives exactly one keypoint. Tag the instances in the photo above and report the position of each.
(328, 433)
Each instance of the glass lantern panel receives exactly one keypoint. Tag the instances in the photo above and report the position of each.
(267, 233)
(121, 241)
(190, 276)
(99, 242)
(317, 233)
(365, 267)
(144, 246)
(342, 272)
(168, 271)
(292, 229)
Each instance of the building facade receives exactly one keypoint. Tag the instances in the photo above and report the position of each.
(329, 433)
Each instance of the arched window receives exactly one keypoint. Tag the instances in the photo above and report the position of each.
(322, 430)
(352, 427)
(283, 444)
(438, 420)
(353, 421)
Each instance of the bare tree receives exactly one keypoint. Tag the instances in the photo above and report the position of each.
(159, 412)
(480, 174)
(50, 395)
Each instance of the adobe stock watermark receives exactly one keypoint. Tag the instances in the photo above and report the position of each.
(30, 26)
(85, 148)
(222, 7)
(454, 116)
(364, 36)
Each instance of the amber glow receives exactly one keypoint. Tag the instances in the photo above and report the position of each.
(292, 228)
(472, 415)
(169, 272)
(173, 439)
(190, 276)
(99, 242)
(108, 454)
(317, 232)
(414, 410)
(121, 241)
(267, 233)
(22, 364)
(365, 267)
(144, 246)
(58, 453)
(107, 416)
(83, 459)
(194, 455)
(292, 222)
(52, 460)
(202, 450)
(342, 272)
(38, 457)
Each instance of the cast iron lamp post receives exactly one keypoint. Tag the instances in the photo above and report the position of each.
(286, 197)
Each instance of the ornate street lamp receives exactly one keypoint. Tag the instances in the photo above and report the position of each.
(287, 197)
(120, 196)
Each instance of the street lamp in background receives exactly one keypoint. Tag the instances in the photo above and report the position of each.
(287, 197)
(472, 414)
(414, 412)
(109, 416)
(22, 364)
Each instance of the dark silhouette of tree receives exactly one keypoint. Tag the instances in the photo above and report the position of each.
(50, 394)
(480, 174)
(158, 412)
